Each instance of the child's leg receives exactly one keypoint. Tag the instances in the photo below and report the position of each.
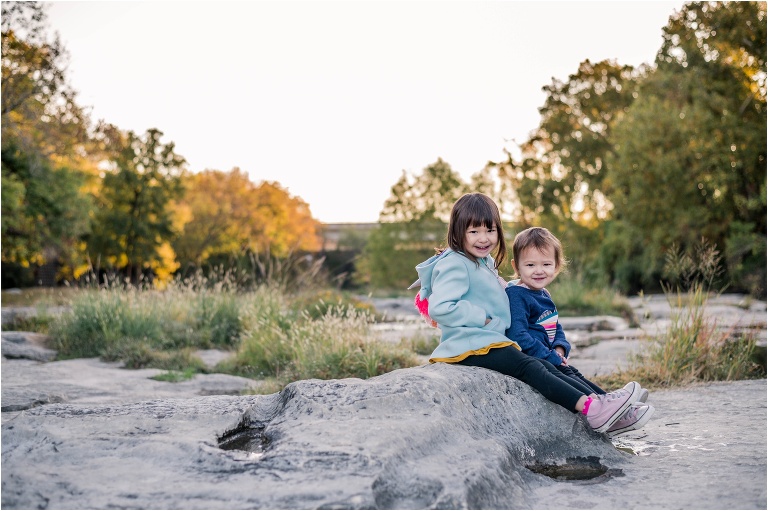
(574, 373)
(570, 380)
(601, 412)
(513, 362)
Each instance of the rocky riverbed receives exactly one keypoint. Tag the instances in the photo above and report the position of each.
(89, 434)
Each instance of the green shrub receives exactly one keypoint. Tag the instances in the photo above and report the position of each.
(114, 319)
(39, 323)
(98, 321)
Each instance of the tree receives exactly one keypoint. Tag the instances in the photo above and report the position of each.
(39, 111)
(412, 224)
(561, 175)
(226, 213)
(690, 155)
(134, 224)
(44, 134)
(44, 217)
(559, 180)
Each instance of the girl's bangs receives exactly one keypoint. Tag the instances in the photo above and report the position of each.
(481, 216)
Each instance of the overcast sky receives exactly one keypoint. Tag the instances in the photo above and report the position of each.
(335, 99)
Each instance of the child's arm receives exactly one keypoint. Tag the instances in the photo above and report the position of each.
(560, 340)
(450, 282)
(520, 331)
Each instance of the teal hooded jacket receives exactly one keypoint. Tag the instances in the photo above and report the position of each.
(461, 295)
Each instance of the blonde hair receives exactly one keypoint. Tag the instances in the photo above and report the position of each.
(540, 239)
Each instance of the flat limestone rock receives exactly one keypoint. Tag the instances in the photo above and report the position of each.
(437, 436)
(27, 345)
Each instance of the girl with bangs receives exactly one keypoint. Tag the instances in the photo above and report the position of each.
(463, 294)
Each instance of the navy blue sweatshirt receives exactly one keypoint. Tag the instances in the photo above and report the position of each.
(535, 325)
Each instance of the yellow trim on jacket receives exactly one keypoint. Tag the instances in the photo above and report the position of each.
(481, 351)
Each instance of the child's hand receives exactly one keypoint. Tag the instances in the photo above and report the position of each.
(560, 351)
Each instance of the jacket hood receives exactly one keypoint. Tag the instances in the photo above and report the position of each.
(424, 271)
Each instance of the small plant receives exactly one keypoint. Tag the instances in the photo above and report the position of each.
(694, 347)
(698, 267)
(176, 376)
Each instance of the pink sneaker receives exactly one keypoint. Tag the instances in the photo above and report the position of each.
(634, 418)
(606, 409)
(643, 396)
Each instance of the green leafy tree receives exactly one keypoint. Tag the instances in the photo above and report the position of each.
(44, 134)
(412, 224)
(134, 224)
(558, 182)
(44, 216)
(690, 155)
(560, 178)
(39, 111)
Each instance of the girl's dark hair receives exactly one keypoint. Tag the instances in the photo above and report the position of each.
(541, 239)
(475, 210)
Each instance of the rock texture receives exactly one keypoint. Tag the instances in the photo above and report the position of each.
(435, 436)
(27, 345)
(87, 434)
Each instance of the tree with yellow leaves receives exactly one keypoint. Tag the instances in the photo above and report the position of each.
(226, 213)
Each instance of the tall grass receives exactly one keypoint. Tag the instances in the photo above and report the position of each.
(272, 332)
(300, 346)
(116, 321)
(694, 347)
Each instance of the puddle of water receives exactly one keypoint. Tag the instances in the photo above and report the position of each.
(245, 443)
(626, 449)
(576, 469)
(634, 446)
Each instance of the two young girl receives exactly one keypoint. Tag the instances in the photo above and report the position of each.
(461, 291)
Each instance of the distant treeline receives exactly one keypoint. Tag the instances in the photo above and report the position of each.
(626, 165)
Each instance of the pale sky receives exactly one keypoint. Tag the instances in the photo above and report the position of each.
(335, 99)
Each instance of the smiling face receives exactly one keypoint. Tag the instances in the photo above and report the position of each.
(537, 268)
(479, 241)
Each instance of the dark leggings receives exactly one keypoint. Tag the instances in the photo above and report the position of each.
(539, 374)
(574, 373)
